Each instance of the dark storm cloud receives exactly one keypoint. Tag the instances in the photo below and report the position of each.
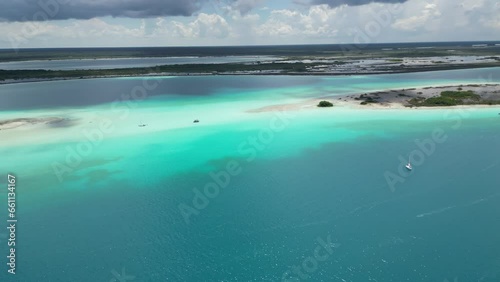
(335, 3)
(39, 10)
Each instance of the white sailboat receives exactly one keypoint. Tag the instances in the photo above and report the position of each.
(408, 165)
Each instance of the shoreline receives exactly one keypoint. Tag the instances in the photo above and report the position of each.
(46, 127)
(276, 72)
(21, 122)
(388, 99)
(393, 98)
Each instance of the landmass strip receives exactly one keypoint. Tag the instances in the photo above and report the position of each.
(470, 95)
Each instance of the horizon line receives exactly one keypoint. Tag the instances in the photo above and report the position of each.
(254, 45)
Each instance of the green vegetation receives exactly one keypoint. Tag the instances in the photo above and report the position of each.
(339, 55)
(325, 104)
(460, 95)
(276, 68)
(440, 101)
(366, 99)
(292, 51)
(452, 98)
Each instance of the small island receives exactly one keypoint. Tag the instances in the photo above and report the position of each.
(435, 96)
(408, 98)
(325, 104)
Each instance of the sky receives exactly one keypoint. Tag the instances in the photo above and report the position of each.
(130, 23)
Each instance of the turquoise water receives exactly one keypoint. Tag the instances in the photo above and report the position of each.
(312, 174)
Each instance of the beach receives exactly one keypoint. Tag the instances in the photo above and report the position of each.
(20, 128)
(392, 98)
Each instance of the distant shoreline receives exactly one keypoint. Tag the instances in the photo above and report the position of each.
(240, 73)
(370, 50)
(303, 60)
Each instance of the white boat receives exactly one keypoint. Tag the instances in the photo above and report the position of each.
(408, 165)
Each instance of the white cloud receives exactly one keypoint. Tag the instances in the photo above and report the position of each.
(415, 20)
(204, 26)
(317, 21)
(31, 34)
(428, 12)
(450, 20)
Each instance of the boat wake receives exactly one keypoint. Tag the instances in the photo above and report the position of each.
(466, 205)
(483, 199)
(435, 212)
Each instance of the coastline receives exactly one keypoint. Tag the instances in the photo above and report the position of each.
(387, 100)
(22, 122)
(155, 72)
(391, 99)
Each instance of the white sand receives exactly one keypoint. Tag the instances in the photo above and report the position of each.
(55, 126)
(390, 99)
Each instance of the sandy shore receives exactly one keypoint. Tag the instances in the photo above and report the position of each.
(75, 125)
(386, 99)
(18, 122)
(393, 98)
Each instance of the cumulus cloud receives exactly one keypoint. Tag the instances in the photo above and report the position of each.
(318, 21)
(428, 12)
(204, 26)
(449, 20)
(81, 32)
(233, 23)
(336, 3)
(42, 10)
